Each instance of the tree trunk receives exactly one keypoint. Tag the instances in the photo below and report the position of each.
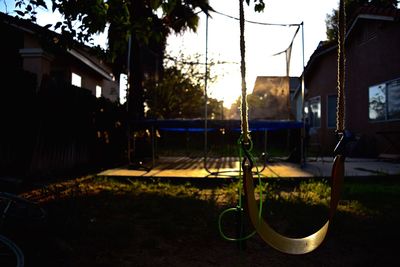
(136, 97)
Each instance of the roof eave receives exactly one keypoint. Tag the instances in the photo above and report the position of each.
(360, 16)
(90, 64)
(368, 16)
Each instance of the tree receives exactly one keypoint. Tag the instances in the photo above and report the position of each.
(148, 22)
(180, 94)
(263, 104)
(351, 7)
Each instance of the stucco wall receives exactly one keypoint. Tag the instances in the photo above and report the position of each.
(372, 57)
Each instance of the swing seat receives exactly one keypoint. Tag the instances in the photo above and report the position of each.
(279, 241)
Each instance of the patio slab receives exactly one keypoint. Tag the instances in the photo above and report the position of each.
(185, 167)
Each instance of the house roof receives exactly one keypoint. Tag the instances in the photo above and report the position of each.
(365, 12)
(377, 12)
(78, 51)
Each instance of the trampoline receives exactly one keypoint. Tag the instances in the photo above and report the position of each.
(196, 126)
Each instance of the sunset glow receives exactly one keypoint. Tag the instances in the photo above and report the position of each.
(262, 42)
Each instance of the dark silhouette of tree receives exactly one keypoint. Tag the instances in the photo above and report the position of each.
(351, 7)
(148, 22)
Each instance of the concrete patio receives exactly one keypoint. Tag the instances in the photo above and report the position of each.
(185, 167)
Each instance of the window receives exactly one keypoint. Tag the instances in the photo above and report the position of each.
(331, 111)
(123, 87)
(313, 111)
(384, 101)
(76, 80)
(98, 91)
(393, 97)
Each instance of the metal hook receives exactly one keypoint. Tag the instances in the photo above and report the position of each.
(340, 147)
(247, 159)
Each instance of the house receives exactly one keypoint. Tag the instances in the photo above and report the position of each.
(271, 97)
(36, 49)
(372, 85)
(51, 120)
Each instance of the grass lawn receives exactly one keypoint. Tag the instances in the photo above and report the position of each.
(94, 221)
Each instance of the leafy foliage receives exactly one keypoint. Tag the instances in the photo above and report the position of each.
(180, 93)
(149, 22)
(351, 7)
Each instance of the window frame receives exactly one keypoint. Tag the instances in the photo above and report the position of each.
(386, 108)
(327, 111)
(309, 101)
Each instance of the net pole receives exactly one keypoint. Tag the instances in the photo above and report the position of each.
(205, 101)
(128, 87)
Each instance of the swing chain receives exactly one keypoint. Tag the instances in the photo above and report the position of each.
(343, 135)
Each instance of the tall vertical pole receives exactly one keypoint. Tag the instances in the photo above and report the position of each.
(206, 100)
(303, 132)
(130, 148)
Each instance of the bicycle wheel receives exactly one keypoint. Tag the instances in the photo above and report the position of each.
(15, 209)
(10, 254)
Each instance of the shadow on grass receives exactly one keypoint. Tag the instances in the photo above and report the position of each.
(109, 223)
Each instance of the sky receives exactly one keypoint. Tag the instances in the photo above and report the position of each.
(262, 42)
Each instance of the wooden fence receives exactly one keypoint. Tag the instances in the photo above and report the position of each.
(59, 129)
